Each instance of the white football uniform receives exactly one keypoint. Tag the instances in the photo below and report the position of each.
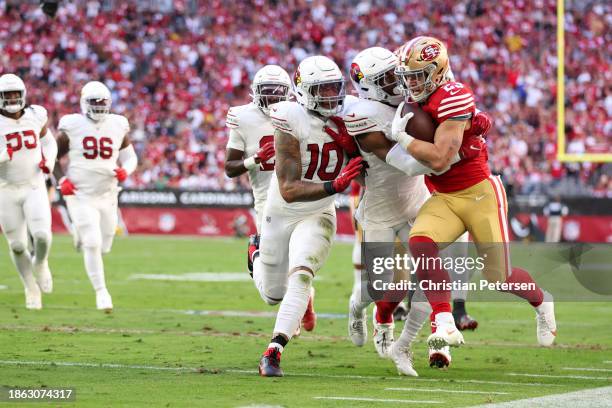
(298, 234)
(391, 197)
(23, 194)
(93, 155)
(250, 129)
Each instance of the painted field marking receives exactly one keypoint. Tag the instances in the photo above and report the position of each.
(2, 287)
(589, 398)
(94, 365)
(448, 391)
(573, 377)
(377, 400)
(603, 370)
(194, 277)
(608, 362)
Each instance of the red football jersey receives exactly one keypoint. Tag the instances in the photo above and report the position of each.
(455, 101)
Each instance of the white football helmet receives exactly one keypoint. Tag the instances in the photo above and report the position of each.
(95, 100)
(271, 84)
(319, 85)
(12, 83)
(372, 74)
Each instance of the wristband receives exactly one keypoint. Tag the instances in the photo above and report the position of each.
(328, 186)
(249, 163)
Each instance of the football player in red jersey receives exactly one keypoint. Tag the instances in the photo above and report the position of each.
(466, 198)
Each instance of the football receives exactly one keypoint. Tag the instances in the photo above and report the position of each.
(421, 126)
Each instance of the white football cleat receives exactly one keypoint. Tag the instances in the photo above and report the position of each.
(402, 357)
(440, 358)
(104, 300)
(446, 333)
(33, 298)
(546, 323)
(383, 336)
(357, 325)
(43, 277)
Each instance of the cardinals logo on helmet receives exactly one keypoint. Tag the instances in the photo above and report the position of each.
(297, 78)
(430, 52)
(356, 73)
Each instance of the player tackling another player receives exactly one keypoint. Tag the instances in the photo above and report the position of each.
(100, 157)
(466, 198)
(27, 151)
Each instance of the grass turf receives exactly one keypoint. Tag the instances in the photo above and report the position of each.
(151, 351)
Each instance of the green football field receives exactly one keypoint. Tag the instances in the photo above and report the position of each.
(189, 327)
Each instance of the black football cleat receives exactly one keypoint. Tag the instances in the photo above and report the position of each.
(253, 251)
(269, 365)
(464, 321)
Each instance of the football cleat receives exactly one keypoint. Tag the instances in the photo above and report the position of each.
(464, 321)
(104, 301)
(269, 365)
(357, 325)
(402, 357)
(33, 298)
(546, 323)
(383, 336)
(252, 252)
(440, 358)
(309, 320)
(446, 333)
(43, 277)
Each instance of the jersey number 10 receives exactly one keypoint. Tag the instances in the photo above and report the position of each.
(94, 149)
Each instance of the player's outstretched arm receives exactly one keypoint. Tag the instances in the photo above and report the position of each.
(289, 173)
(63, 146)
(234, 163)
(445, 148)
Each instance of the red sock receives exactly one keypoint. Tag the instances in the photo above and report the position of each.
(426, 249)
(534, 296)
(384, 311)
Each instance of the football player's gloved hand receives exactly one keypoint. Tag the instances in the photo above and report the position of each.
(66, 187)
(342, 137)
(121, 174)
(6, 154)
(398, 127)
(472, 148)
(265, 152)
(481, 124)
(341, 183)
(43, 166)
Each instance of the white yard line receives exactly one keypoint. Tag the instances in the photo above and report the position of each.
(592, 398)
(608, 362)
(572, 377)
(377, 400)
(603, 370)
(2, 287)
(448, 391)
(94, 365)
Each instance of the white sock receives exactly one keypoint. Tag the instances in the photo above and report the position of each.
(94, 267)
(276, 345)
(359, 303)
(294, 304)
(419, 312)
(23, 263)
(41, 252)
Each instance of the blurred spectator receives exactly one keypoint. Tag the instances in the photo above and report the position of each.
(174, 68)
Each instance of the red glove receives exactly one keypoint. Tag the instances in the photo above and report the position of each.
(481, 124)
(352, 170)
(342, 137)
(43, 166)
(66, 187)
(265, 153)
(473, 147)
(121, 174)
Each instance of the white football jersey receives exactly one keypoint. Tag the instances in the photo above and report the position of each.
(250, 129)
(391, 197)
(94, 151)
(322, 158)
(23, 136)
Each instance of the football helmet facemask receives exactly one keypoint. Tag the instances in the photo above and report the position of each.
(12, 93)
(95, 100)
(271, 84)
(319, 85)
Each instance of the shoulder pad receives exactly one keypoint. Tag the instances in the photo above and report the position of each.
(68, 122)
(232, 119)
(40, 113)
(360, 117)
(122, 122)
(452, 100)
(284, 116)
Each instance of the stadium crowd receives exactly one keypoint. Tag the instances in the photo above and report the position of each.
(175, 67)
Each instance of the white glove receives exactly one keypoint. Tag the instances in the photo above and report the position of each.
(398, 127)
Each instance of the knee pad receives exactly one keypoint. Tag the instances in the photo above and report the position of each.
(90, 238)
(273, 295)
(44, 236)
(107, 243)
(18, 247)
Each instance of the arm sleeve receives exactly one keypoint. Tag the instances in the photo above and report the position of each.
(403, 161)
(48, 145)
(128, 159)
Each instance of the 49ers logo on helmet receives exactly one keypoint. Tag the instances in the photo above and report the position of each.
(430, 52)
(356, 73)
(297, 78)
